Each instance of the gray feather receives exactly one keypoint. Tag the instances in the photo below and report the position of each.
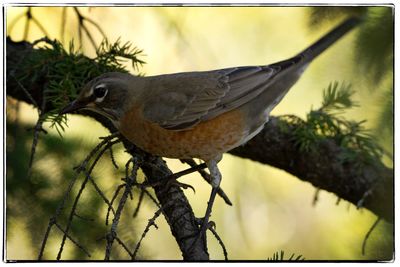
(180, 101)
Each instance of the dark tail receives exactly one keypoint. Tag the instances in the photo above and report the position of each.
(319, 46)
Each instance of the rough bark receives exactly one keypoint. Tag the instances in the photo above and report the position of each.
(370, 188)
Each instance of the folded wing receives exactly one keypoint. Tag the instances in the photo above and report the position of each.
(185, 99)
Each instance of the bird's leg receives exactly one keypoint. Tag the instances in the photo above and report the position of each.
(172, 179)
(207, 178)
(215, 182)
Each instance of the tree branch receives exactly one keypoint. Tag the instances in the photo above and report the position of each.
(371, 187)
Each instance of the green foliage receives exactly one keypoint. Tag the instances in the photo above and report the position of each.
(384, 126)
(327, 123)
(320, 14)
(374, 40)
(68, 71)
(374, 45)
(281, 257)
(337, 98)
(374, 54)
(114, 54)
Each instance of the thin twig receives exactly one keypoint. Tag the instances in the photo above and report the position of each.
(82, 26)
(149, 224)
(71, 216)
(221, 243)
(112, 201)
(46, 236)
(207, 178)
(360, 203)
(59, 209)
(40, 26)
(98, 190)
(87, 178)
(43, 39)
(63, 22)
(108, 145)
(129, 182)
(28, 15)
(97, 26)
(88, 174)
(38, 127)
(33, 101)
(124, 246)
(73, 241)
(37, 130)
(89, 35)
(143, 191)
(136, 211)
(106, 141)
(113, 158)
(315, 198)
(364, 244)
(14, 21)
(151, 197)
(79, 24)
(83, 218)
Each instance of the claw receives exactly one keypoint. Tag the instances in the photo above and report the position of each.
(211, 225)
(183, 185)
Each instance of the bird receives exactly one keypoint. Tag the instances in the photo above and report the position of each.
(200, 114)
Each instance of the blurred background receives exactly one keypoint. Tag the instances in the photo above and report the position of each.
(272, 210)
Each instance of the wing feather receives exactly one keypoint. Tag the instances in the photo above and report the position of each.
(182, 100)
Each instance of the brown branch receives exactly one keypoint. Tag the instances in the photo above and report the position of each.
(176, 210)
(370, 187)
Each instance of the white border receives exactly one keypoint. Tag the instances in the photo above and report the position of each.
(232, 2)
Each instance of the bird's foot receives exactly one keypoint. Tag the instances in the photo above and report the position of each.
(168, 182)
(205, 224)
(174, 182)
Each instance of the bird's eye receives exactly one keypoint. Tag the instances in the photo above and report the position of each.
(100, 91)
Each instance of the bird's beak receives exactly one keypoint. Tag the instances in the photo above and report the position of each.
(73, 106)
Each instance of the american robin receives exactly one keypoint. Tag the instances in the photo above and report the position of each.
(198, 114)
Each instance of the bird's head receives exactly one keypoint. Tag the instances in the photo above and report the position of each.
(106, 95)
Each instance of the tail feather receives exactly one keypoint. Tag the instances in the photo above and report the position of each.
(319, 46)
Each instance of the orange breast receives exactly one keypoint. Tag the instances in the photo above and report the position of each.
(206, 140)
